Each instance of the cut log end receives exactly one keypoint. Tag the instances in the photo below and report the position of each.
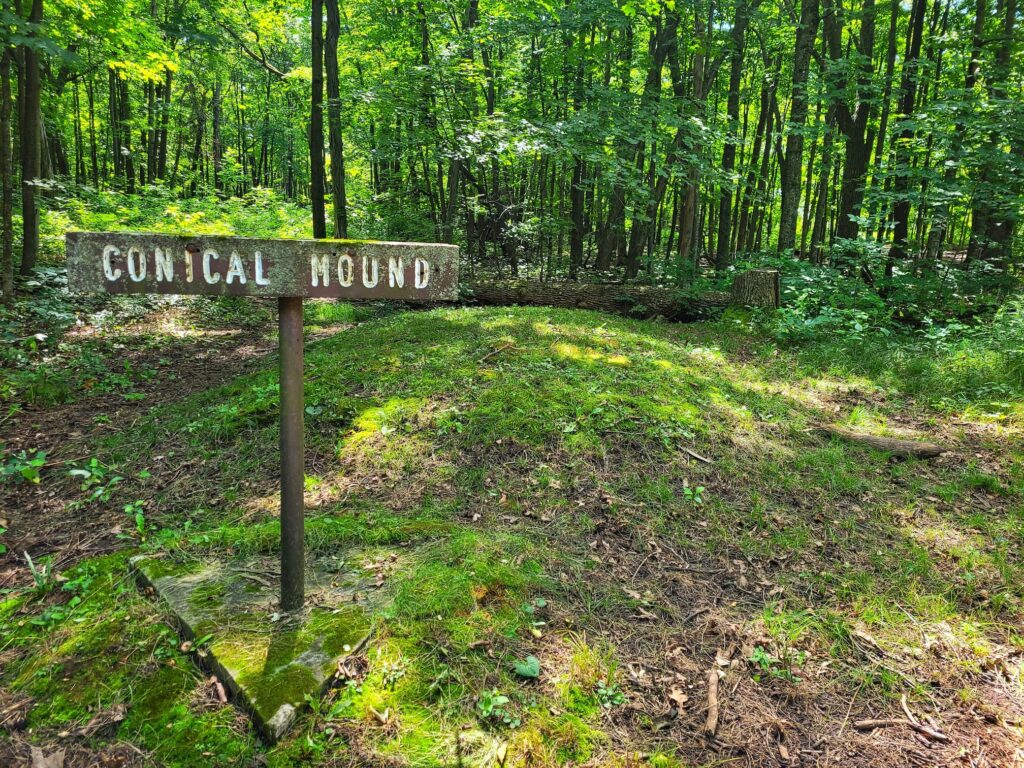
(756, 288)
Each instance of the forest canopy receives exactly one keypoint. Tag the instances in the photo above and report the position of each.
(597, 139)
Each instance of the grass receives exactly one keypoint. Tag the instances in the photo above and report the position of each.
(529, 475)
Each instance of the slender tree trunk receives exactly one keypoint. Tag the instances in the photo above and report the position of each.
(124, 121)
(901, 184)
(93, 149)
(792, 160)
(994, 217)
(31, 126)
(337, 146)
(165, 116)
(217, 147)
(6, 180)
(613, 233)
(316, 125)
(723, 256)
(77, 131)
(576, 191)
(853, 122)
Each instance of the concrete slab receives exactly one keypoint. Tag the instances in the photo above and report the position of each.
(268, 661)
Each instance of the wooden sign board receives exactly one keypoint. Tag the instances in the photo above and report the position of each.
(135, 262)
(291, 270)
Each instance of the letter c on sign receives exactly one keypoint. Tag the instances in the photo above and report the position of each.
(214, 277)
(110, 272)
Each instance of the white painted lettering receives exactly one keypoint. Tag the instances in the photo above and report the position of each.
(321, 269)
(189, 268)
(261, 279)
(136, 265)
(164, 265)
(236, 269)
(111, 272)
(367, 282)
(346, 270)
(396, 272)
(422, 273)
(210, 277)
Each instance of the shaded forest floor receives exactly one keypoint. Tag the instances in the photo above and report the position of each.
(640, 506)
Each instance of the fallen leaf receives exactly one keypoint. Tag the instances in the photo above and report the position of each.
(53, 760)
(678, 698)
(102, 720)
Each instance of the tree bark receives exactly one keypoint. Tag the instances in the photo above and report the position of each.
(316, 124)
(334, 135)
(31, 126)
(994, 219)
(792, 160)
(634, 300)
(723, 254)
(896, 446)
(901, 184)
(6, 179)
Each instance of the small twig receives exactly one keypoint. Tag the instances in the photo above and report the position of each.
(697, 456)
(711, 725)
(502, 348)
(694, 614)
(906, 709)
(924, 730)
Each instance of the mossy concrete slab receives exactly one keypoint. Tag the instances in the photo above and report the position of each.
(269, 661)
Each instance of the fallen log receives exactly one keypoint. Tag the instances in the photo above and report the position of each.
(754, 288)
(905, 449)
(634, 300)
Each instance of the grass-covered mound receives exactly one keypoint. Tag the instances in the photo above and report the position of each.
(576, 519)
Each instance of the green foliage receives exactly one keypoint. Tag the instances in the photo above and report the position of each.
(20, 467)
(493, 707)
(609, 695)
(97, 480)
(528, 667)
(771, 666)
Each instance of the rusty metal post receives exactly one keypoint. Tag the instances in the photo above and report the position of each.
(293, 568)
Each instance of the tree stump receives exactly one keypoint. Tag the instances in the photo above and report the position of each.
(756, 288)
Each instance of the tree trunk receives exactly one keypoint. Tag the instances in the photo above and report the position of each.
(124, 123)
(316, 125)
(6, 179)
(901, 184)
(217, 146)
(994, 218)
(723, 255)
(853, 122)
(165, 116)
(31, 126)
(93, 149)
(334, 135)
(792, 160)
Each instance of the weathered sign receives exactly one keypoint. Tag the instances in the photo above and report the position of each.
(132, 262)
